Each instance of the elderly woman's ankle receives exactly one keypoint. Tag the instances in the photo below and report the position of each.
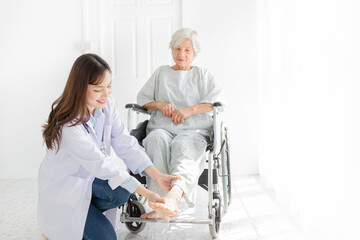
(175, 192)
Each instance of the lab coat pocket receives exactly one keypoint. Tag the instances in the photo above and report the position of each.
(73, 191)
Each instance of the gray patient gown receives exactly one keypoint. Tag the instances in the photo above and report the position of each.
(178, 149)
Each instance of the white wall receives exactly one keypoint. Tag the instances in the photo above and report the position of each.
(228, 32)
(308, 137)
(309, 111)
(39, 42)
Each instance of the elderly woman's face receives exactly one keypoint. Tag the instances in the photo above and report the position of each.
(183, 54)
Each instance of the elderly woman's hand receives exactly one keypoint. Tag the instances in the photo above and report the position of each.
(167, 109)
(180, 115)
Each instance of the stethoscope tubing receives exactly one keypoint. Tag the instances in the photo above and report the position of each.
(102, 145)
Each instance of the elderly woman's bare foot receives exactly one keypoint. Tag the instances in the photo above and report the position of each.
(169, 208)
(154, 215)
(172, 201)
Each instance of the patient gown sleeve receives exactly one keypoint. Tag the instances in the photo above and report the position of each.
(147, 93)
(211, 91)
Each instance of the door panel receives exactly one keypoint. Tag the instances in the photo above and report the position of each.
(124, 50)
(133, 37)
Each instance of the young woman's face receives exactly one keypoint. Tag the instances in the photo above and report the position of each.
(97, 95)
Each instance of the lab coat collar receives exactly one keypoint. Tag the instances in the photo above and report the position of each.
(94, 119)
(96, 124)
(97, 112)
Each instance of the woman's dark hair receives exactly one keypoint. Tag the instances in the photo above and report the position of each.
(71, 107)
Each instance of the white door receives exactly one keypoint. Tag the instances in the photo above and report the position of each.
(133, 37)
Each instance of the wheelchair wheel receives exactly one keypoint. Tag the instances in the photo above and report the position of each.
(225, 170)
(135, 209)
(216, 213)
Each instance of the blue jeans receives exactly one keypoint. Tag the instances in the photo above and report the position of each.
(97, 226)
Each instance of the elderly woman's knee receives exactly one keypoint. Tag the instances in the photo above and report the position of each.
(158, 136)
(186, 142)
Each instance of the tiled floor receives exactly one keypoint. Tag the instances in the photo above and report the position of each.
(253, 215)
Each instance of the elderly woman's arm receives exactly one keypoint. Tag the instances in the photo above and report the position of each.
(179, 115)
(167, 109)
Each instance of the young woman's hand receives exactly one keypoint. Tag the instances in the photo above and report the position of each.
(164, 181)
(155, 198)
(151, 196)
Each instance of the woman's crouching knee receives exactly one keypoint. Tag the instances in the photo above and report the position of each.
(121, 196)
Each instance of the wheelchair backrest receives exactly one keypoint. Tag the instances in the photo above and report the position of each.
(140, 131)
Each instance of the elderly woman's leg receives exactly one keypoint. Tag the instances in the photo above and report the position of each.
(187, 162)
(157, 146)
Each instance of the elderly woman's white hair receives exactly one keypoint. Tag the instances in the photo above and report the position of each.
(186, 33)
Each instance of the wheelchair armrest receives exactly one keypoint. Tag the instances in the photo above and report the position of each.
(219, 105)
(137, 108)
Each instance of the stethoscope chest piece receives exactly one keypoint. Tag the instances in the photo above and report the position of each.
(102, 145)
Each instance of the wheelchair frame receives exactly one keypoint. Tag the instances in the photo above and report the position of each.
(218, 167)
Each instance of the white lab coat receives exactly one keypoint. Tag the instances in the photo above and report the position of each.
(66, 176)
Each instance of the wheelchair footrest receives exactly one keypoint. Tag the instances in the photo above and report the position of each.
(193, 221)
(203, 179)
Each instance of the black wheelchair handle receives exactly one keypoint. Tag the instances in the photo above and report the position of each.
(219, 106)
(137, 108)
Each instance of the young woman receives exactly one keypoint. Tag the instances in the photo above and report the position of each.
(78, 180)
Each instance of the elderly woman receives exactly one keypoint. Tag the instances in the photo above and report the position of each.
(179, 98)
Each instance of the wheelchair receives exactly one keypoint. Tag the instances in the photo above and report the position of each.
(215, 179)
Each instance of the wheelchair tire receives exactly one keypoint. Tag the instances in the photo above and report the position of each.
(225, 171)
(135, 209)
(227, 149)
(215, 227)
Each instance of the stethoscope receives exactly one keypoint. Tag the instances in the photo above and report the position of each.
(102, 145)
